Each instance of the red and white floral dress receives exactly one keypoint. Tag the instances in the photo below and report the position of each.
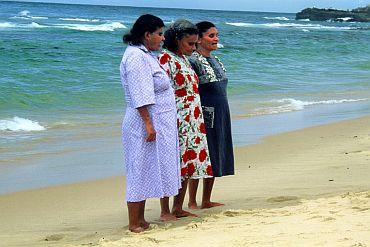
(195, 159)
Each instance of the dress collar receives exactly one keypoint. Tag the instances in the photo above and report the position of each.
(141, 47)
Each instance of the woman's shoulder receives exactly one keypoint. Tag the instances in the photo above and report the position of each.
(196, 63)
(133, 53)
(216, 58)
(167, 57)
(194, 59)
(135, 57)
(138, 49)
(164, 57)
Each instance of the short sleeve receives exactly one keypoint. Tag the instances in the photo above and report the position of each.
(139, 81)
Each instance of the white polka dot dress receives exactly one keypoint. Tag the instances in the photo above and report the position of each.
(152, 168)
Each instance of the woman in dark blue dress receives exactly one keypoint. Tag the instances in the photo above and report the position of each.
(215, 107)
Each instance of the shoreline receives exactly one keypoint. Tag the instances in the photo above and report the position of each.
(65, 156)
(282, 171)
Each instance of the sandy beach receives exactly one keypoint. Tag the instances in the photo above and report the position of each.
(309, 187)
(300, 127)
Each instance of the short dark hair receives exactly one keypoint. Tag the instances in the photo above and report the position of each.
(145, 23)
(178, 30)
(203, 27)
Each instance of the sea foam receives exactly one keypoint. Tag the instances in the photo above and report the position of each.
(103, 27)
(25, 14)
(280, 18)
(79, 19)
(290, 104)
(39, 17)
(20, 124)
(107, 27)
(7, 25)
(345, 19)
(220, 46)
(288, 25)
(35, 25)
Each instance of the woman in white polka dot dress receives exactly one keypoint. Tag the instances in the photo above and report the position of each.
(149, 129)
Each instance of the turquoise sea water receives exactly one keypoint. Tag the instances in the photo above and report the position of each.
(60, 89)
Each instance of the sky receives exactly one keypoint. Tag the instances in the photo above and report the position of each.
(288, 6)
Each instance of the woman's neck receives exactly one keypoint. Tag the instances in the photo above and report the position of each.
(146, 44)
(203, 52)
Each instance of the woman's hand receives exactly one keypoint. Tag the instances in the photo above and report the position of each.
(150, 132)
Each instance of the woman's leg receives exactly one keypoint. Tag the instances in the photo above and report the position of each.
(193, 187)
(165, 210)
(134, 211)
(143, 223)
(207, 191)
(179, 201)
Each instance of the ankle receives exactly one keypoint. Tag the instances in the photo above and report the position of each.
(164, 213)
(176, 209)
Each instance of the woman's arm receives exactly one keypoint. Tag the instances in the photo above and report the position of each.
(144, 113)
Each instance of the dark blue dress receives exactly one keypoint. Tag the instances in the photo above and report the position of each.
(215, 106)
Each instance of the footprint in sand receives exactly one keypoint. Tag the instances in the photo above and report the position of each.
(233, 213)
(360, 209)
(282, 199)
(316, 217)
(334, 212)
(358, 245)
(54, 237)
(367, 153)
(328, 219)
(153, 240)
(192, 225)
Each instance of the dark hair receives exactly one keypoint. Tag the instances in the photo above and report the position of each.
(203, 27)
(178, 30)
(145, 23)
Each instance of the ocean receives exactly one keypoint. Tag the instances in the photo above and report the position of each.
(61, 101)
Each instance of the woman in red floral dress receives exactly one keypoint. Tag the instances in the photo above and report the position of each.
(180, 40)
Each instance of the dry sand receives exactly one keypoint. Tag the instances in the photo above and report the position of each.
(304, 188)
(336, 221)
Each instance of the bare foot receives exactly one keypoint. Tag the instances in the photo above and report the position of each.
(182, 213)
(211, 204)
(137, 229)
(167, 217)
(144, 224)
(193, 205)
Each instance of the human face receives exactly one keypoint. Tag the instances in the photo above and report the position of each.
(153, 40)
(209, 40)
(186, 45)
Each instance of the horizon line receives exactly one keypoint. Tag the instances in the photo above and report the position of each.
(153, 7)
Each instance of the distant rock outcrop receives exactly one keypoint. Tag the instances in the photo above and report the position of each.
(315, 14)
